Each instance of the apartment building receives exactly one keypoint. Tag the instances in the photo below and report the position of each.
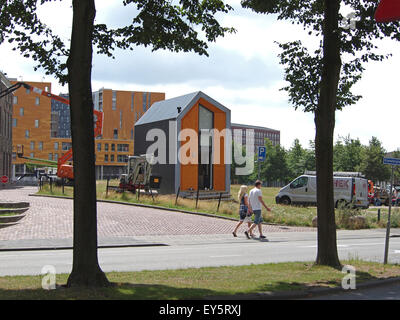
(254, 134)
(5, 128)
(43, 127)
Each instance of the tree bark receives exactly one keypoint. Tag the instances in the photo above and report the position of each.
(85, 270)
(325, 124)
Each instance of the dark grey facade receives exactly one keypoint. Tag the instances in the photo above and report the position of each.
(5, 129)
(166, 171)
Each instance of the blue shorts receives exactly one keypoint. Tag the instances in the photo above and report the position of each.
(257, 216)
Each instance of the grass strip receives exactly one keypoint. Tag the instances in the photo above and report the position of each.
(197, 283)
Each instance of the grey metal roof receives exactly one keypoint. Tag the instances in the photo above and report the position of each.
(168, 109)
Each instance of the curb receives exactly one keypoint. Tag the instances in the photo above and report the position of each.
(105, 246)
(304, 294)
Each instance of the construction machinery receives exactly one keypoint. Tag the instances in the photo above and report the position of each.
(64, 165)
(139, 175)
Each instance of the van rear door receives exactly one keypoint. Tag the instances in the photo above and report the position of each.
(361, 192)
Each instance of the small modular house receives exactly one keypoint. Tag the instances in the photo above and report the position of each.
(189, 140)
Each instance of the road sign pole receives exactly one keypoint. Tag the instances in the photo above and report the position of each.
(388, 221)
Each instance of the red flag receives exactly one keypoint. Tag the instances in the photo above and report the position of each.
(388, 11)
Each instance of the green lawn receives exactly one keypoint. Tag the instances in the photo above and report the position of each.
(282, 215)
(199, 283)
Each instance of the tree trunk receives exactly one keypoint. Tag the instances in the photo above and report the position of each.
(85, 270)
(325, 124)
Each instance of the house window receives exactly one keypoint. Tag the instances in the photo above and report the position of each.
(40, 146)
(21, 111)
(55, 145)
(14, 122)
(50, 156)
(37, 101)
(26, 133)
(56, 156)
(32, 145)
(15, 100)
(36, 123)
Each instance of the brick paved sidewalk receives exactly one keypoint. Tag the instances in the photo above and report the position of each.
(51, 218)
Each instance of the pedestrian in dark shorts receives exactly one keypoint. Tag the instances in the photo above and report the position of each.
(255, 202)
(244, 215)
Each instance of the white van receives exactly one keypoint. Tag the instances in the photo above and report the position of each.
(303, 190)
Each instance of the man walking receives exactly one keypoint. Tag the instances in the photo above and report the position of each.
(255, 202)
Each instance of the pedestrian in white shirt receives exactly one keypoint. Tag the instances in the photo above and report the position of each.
(255, 202)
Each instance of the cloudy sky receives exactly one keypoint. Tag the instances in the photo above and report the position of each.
(242, 72)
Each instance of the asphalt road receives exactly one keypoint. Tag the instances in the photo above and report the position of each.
(368, 245)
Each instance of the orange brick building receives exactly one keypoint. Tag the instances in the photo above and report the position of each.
(42, 126)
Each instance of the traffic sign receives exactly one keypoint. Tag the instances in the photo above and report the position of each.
(4, 179)
(391, 161)
(388, 11)
(262, 153)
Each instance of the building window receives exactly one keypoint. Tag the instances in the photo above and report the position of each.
(123, 147)
(112, 158)
(15, 100)
(122, 158)
(32, 155)
(14, 122)
(115, 134)
(55, 145)
(99, 147)
(37, 101)
(144, 101)
(66, 146)
(40, 146)
(26, 133)
(32, 145)
(28, 91)
(106, 158)
(50, 156)
(131, 134)
(106, 147)
(21, 111)
(114, 100)
(113, 147)
(56, 156)
(36, 123)
(132, 100)
(120, 119)
(14, 156)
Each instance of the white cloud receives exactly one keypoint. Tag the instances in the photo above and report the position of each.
(242, 73)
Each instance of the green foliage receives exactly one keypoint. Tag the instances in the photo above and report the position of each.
(303, 69)
(160, 24)
(347, 154)
(372, 161)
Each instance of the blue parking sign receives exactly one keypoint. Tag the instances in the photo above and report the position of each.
(262, 153)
